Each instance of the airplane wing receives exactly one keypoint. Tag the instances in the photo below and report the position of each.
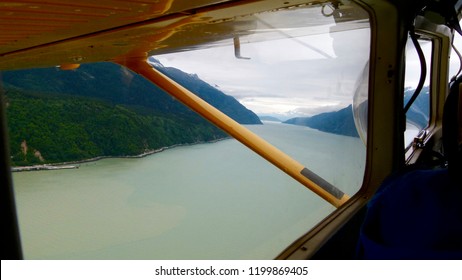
(36, 33)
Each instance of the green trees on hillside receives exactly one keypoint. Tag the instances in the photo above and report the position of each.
(48, 128)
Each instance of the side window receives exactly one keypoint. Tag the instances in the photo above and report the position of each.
(455, 67)
(122, 170)
(418, 114)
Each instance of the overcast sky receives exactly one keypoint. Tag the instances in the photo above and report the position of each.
(289, 77)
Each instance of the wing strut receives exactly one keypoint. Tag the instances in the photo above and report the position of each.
(281, 160)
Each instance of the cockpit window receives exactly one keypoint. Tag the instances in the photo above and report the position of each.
(123, 171)
(418, 114)
(455, 65)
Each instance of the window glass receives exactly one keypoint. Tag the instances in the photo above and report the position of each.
(455, 61)
(161, 182)
(418, 115)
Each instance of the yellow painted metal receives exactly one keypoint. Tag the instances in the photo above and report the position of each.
(239, 132)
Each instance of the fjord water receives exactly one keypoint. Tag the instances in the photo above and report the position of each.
(204, 201)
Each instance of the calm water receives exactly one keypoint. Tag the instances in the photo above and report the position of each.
(207, 201)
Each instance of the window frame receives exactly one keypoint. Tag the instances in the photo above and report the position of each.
(438, 86)
(383, 155)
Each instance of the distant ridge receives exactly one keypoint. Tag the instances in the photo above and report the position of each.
(340, 122)
(269, 118)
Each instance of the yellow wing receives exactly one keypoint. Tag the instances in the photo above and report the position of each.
(37, 33)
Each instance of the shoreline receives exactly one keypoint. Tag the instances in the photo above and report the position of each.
(76, 164)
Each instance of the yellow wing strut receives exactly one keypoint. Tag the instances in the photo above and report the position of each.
(281, 160)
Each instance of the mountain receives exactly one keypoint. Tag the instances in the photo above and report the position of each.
(269, 118)
(227, 104)
(419, 112)
(103, 109)
(340, 122)
(113, 83)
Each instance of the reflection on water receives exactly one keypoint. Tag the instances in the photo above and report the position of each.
(209, 201)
